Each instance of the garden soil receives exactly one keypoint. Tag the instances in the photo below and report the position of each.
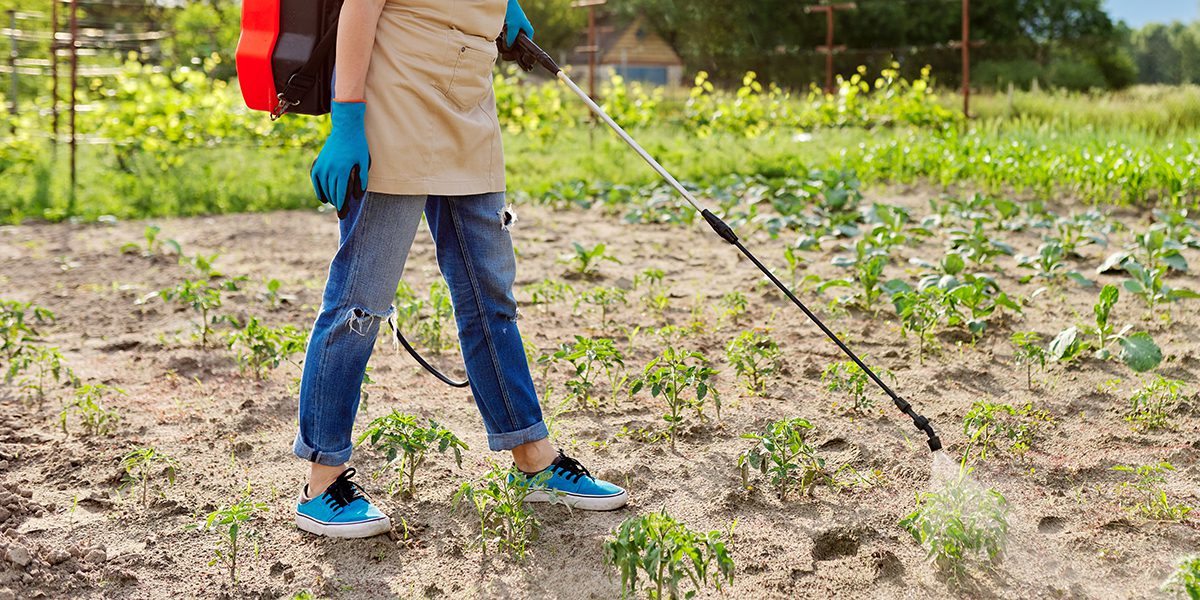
(68, 531)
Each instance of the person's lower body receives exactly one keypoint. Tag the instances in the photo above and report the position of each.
(475, 256)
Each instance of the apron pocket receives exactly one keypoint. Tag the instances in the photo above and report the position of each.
(471, 77)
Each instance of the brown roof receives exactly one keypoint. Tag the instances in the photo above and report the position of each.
(630, 42)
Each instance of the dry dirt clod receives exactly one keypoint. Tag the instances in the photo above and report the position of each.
(18, 555)
(7, 594)
(95, 556)
(58, 556)
(4, 514)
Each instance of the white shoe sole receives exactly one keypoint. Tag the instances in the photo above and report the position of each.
(360, 529)
(581, 502)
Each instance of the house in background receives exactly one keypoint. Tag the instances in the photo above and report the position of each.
(629, 49)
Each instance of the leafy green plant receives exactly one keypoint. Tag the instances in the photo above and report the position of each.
(754, 356)
(977, 244)
(590, 356)
(499, 501)
(1149, 285)
(734, 304)
(866, 266)
(1146, 496)
(17, 322)
(667, 553)
(261, 348)
(1019, 425)
(603, 297)
(143, 462)
(153, 245)
(405, 443)
(1150, 406)
(34, 367)
(782, 453)
(203, 295)
(432, 329)
(1029, 353)
(232, 525)
(919, 312)
(684, 380)
(584, 262)
(1138, 350)
(959, 522)
(848, 377)
(86, 406)
(1184, 581)
(1050, 264)
(548, 291)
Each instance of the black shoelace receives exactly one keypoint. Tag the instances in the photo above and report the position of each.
(570, 467)
(343, 491)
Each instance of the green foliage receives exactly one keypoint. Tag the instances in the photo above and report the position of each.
(755, 357)
(958, 523)
(261, 348)
(499, 501)
(684, 380)
(33, 367)
(1184, 581)
(590, 357)
(405, 443)
(1017, 425)
(1028, 352)
(782, 453)
(548, 291)
(232, 525)
(1146, 496)
(1150, 406)
(630, 104)
(585, 262)
(141, 463)
(920, 311)
(154, 246)
(431, 319)
(204, 294)
(603, 297)
(1138, 350)
(17, 326)
(91, 413)
(848, 377)
(667, 552)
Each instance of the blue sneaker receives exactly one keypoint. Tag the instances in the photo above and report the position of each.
(342, 511)
(572, 484)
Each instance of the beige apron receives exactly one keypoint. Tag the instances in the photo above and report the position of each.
(431, 113)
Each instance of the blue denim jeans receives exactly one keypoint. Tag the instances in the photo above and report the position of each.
(475, 255)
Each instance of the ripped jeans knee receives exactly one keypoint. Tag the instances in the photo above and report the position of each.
(363, 321)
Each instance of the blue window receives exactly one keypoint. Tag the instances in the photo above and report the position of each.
(654, 75)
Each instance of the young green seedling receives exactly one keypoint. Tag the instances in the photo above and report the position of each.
(589, 357)
(668, 553)
(684, 380)
(1138, 350)
(919, 312)
(782, 453)
(140, 464)
(17, 322)
(603, 297)
(1028, 352)
(848, 377)
(1150, 406)
(260, 348)
(232, 524)
(203, 295)
(959, 522)
(432, 329)
(499, 501)
(755, 357)
(1019, 425)
(1184, 581)
(93, 417)
(154, 246)
(1146, 496)
(36, 366)
(406, 443)
(584, 261)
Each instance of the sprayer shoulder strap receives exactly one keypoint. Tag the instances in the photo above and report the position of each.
(303, 79)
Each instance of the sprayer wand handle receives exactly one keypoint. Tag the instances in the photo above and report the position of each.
(526, 53)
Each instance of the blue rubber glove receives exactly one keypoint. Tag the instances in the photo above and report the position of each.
(516, 22)
(344, 149)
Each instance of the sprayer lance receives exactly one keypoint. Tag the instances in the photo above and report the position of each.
(527, 55)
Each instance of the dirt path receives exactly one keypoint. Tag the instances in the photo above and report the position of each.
(67, 532)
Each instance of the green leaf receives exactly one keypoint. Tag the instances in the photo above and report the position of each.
(1139, 352)
(1065, 346)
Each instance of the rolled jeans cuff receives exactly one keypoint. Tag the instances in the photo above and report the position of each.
(512, 439)
(329, 459)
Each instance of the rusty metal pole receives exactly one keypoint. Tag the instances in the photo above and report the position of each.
(829, 48)
(966, 57)
(54, 74)
(594, 50)
(74, 83)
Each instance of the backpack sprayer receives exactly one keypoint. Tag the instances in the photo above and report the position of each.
(285, 63)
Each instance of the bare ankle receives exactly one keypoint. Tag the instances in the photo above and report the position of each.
(533, 457)
(320, 477)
